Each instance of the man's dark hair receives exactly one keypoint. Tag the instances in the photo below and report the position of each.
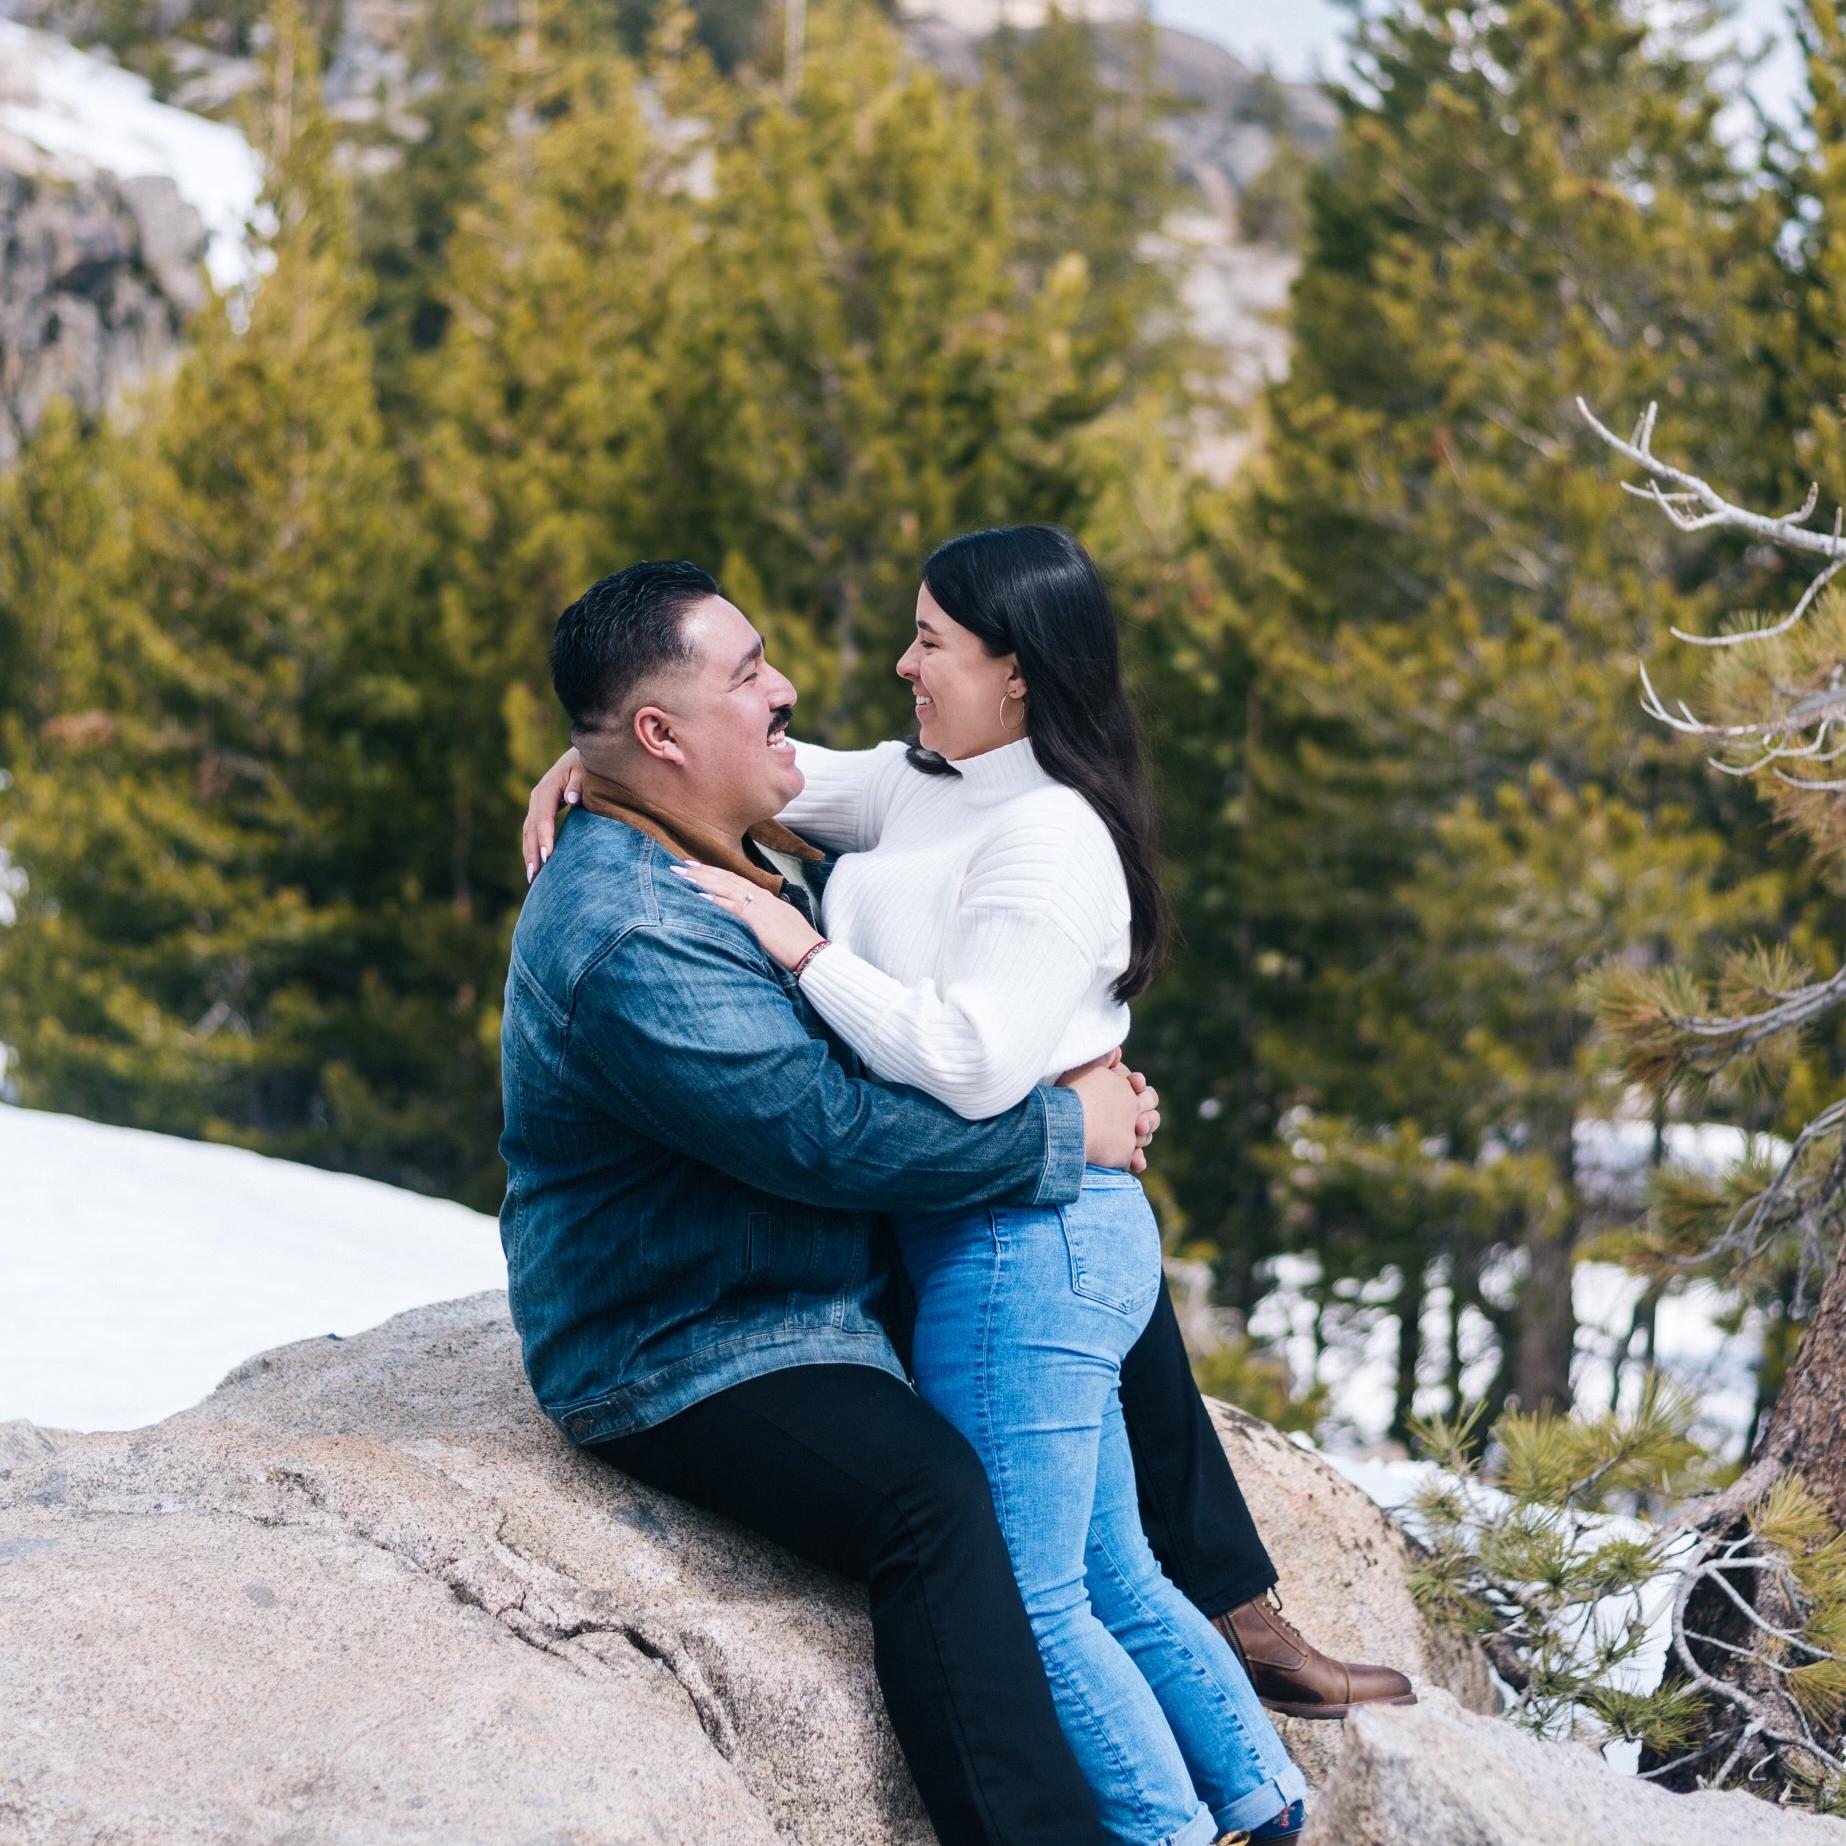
(621, 629)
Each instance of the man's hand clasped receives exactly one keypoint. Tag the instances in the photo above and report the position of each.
(1121, 1111)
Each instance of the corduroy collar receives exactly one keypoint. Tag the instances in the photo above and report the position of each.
(687, 839)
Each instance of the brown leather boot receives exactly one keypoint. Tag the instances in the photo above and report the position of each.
(1291, 1675)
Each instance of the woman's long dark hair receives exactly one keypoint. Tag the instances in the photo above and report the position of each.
(1034, 591)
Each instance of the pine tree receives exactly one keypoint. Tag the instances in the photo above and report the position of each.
(406, 208)
(1525, 201)
(542, 421)
(220, 936)
(1759, 1663)
(59, 538)
(1762, 1650)
(1813, 360)
(869, 363)
(1520, 1553)
(1091, 174)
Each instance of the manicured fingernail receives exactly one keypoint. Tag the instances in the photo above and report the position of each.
(544, 853)
(531, 871)
(571, 797)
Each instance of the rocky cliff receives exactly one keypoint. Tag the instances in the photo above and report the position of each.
(112, 209)
(364, 1593)
(97, 277)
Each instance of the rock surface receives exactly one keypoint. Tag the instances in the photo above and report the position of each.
(1343, 1573)
(364, 1592)
(96, 279)
(23, 1443)
(1436, 1775)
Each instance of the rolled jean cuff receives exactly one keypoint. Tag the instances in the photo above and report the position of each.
(1200, 1830)
(1264, 1803)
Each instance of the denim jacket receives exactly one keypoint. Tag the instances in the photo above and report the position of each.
(695, 1172)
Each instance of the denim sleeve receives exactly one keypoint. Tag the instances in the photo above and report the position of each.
(703, 1051)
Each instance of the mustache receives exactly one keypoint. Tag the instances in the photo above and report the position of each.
(782, 717)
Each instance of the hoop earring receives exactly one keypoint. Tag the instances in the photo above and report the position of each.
(1004, 698)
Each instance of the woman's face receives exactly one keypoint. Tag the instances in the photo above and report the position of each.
(959, 686)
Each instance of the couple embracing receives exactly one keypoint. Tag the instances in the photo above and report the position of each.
(822, 1209)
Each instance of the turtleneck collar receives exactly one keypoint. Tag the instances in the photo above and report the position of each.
(998, 775)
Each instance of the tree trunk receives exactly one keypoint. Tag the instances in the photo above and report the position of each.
(1806, 1432)
(1410, 1296)
(1805, 1435)
(1451, 1341)
(1248, 1192)
(1780, 1338)
(1504, 1322)
(1547, 1314)
(1641, 1326)
(1547, 1322)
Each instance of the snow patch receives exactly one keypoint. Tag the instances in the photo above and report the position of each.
(78, 114)
(137, 1269)
(1705, 1339)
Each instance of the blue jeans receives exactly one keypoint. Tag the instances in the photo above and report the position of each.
(1024, 1315)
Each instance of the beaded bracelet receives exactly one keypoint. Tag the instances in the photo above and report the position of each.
(826, 942)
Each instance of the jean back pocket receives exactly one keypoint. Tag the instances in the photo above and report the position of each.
(1114, 1244)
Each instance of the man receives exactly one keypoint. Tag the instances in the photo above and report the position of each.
(695, 1173)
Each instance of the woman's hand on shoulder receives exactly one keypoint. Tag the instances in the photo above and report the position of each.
(786, 935)
(560, 786)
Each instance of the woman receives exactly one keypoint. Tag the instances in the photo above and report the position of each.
(998, 904)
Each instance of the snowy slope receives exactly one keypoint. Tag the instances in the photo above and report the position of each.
(66, 112)
(1356, 1355)
(136, 1269)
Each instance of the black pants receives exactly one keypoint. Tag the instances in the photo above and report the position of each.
(1192, 1509)
(849, 1469)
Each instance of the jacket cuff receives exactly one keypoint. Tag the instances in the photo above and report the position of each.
(1062, 1178)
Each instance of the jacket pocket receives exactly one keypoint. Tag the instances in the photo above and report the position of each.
(782, 1257)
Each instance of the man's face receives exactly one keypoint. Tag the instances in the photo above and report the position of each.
(730, 711)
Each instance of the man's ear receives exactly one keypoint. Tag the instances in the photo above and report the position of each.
(653, 731)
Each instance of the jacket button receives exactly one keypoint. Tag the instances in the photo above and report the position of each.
(578, 1426)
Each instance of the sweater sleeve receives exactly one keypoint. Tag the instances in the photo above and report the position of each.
(843, 803)
(1039, 921)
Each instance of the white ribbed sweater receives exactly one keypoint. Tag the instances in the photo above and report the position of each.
(977, 922)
